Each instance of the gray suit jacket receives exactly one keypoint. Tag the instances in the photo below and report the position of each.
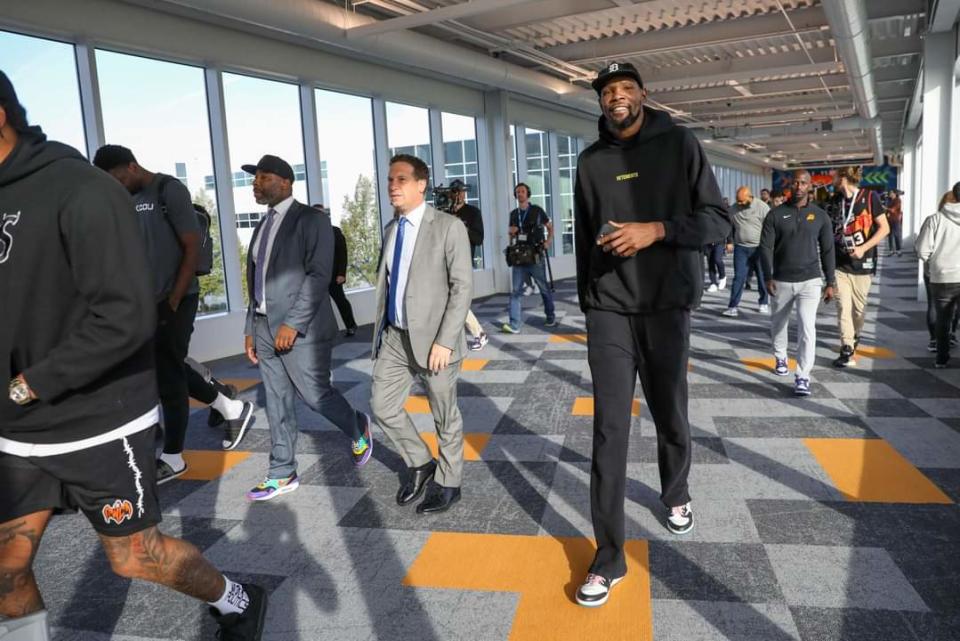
(298, 276)
(439, 287)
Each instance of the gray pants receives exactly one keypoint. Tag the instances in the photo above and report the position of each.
(807, 296)
(304, 370)
(393, 375)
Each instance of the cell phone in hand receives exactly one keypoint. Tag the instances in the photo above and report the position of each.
(607, 228)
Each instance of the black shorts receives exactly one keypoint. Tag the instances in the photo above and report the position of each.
(114, 484)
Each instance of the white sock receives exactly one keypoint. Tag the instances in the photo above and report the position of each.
(173, 460)
(234, 599)
(231, 409)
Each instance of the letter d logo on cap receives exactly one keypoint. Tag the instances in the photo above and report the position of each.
(613, 67)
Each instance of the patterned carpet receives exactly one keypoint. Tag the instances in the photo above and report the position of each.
(827, 518)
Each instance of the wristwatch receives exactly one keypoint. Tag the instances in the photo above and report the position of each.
(19, 391)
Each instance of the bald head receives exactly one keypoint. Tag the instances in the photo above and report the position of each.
(744, 196)
(801, 187)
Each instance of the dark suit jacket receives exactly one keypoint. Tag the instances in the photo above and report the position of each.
(473, 219)
(298, 276)
(339, 253)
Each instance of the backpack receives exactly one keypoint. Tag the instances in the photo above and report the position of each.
(205, 257)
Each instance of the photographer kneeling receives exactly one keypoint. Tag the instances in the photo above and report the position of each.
(530, 233)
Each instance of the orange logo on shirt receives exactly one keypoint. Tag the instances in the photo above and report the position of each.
(119, 512)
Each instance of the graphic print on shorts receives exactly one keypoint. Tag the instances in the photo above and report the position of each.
(117, 512)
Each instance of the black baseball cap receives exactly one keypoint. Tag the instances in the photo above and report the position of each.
(616, 70)
(273, 165)
(457, 185)
(16, 114)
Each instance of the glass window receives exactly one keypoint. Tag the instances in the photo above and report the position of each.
(567, 168)
(159, 110)
(263, 117)
(408, 132)
(44, 74)
(460, 162)
(538, 169)
(349, 172)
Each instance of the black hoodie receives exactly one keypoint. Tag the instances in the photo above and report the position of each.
(77, 303)
(660, 175)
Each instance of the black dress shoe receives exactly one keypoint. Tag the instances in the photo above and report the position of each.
(439, 499)
(415, 483)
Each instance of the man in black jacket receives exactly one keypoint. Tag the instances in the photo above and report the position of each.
(77, 428)
(796, 243)
(340, 277)
(646, 203)
(473, 219)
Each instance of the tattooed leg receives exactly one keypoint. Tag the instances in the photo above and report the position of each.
(19, 540)
(151, 556)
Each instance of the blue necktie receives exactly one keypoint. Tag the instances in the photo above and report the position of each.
(395, 273)
(259, 271)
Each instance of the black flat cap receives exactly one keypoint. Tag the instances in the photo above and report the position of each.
(273, 165)
(616, 70)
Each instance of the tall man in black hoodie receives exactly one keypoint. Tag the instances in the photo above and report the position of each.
(646, 202)
(78, 424)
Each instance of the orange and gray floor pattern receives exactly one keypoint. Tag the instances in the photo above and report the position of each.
(820, 519)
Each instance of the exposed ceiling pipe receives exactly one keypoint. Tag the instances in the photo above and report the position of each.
(849, 26)
(326, 24)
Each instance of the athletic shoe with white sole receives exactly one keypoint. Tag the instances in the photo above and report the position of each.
(271, 488)
(237, 428)
(165, 472)
(680, 519)
(595, 590)
(732, 312)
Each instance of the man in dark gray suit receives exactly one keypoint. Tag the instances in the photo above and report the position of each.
(290, 324)
(424, 288)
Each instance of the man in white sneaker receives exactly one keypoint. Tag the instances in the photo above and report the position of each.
(797, 250)
(747, 224)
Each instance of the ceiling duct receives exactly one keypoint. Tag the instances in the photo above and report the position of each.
(848, 23)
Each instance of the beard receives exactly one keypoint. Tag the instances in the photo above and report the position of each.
(627, 122)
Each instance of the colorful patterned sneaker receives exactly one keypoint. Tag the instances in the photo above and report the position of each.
(507, 328)
(801, 386)
(362, 449)
(595, 590)
(781, 368)
(680, 519)
(270, 488)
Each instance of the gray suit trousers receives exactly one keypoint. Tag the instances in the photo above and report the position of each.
(303, 371)
(393, 375)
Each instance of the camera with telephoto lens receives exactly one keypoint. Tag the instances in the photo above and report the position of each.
(443, 196)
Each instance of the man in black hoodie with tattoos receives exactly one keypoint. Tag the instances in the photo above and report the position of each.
(78, 422)
(646, 202)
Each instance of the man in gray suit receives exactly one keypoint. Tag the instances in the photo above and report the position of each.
(290, 324)
(424, 289)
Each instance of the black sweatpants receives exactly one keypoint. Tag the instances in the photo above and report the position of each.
(343, 304)
(620, 347)
(177, 382)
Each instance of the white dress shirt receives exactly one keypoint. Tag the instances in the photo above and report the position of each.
(281, 208)
(410, 232)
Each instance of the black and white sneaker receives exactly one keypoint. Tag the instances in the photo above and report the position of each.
(680, 519)
(846, 358)
(215, 418)
(165, 471)
(247, 626)
(932, 345)
(595, 590)
(237, 428)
